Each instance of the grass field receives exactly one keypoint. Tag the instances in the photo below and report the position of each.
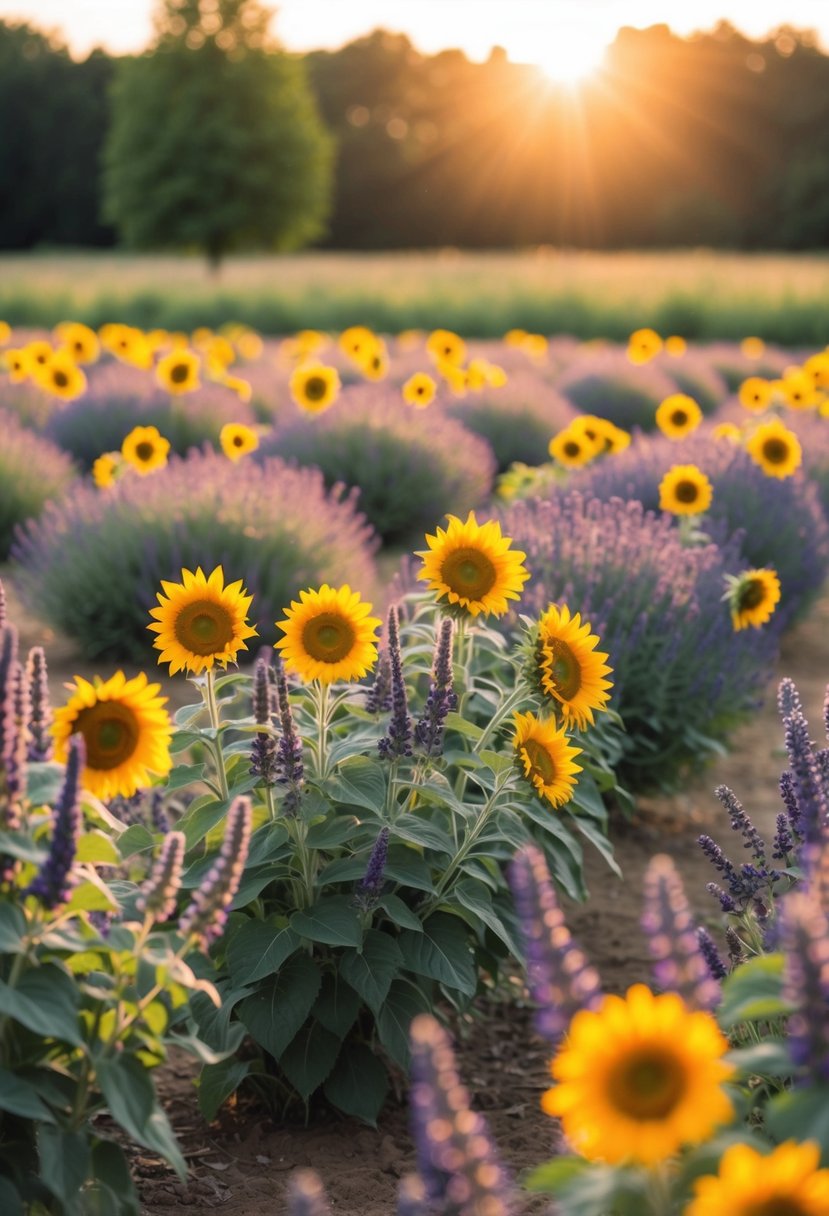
(697, 293)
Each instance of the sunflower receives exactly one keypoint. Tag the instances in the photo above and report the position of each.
(125, 727)
(546, 757)
(643, 345)
(638, 1077)
(570, 669)
(473, 566)
(727, 430)
(178, 372)
(675, 346)
(355, 341)
(784, 1182)
(685, 490)
(536, 346)
(515, 337)
(799, 391)
(104, 469)
(453, 376)
(128, 344)
(755, 394)
(752, 348)
(329, 635)
(38, 353)
(315, 387)
(573, 447)
(17, 364)
(444, 346)
(817, 368)
(374, 363)
(81, 341)
(60, 376)
(249, 345)
(242, 388)
(775, 448)
(145, 449)
(5, 332)
(419, 390)
(200, 621)
(752, 597)
(237, 440)
(678, 415)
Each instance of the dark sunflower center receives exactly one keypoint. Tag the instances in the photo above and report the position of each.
(648, 1084)
(204, 628)
(179, 373)
(777, 1205)
(469, 573)
(564, 669)
(686, 491)
(541, 761)
(572, 449)
(78, 347)
(60, 378)
(420, 389)
(315, 388)
(238, 441)
(328, 638)
(110, 731)
(679, 418)
(752, 595)
(145, 450)
(776, 451)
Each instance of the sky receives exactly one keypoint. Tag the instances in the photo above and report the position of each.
(566, 36)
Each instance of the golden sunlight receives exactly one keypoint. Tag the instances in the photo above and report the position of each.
(568, 57)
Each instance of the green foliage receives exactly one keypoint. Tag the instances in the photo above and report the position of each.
(215, 141)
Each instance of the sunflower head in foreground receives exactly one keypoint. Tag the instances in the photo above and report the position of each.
(685, 490)
(775, 448)
(678, 415)
(126, 729)
(200, 621)
(639, 1077)
(329, 635)
(473, 566)
(545, 756)
(752, 597)
(314, 387)
(237, 440)
(146, 449)
(784, 1182)
(178, 372)
(569, 667)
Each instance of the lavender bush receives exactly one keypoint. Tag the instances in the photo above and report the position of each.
(32, 471)
(518, 420)
(682, 677)
(410, 465)
(609, 385)
(92, 565)
(694, 374)
(779, 523)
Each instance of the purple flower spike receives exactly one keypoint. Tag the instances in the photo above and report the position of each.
(3, 617)
(784, 841)
(807, 781)
(711, 954)
(805, 942)
(306, 1195)
(411, 1197)
(370, 887)
(560, 978)
(678, 963)
(263, 762)
(398, 741)
(442, 698)
(53, 882)
(159, 892)
(289, 767)
(40, 743)
(378, 698)
(457, 1160)
(788, 698)
(205, 916)
(790, 803)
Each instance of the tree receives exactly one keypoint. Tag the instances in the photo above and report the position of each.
(215, 141)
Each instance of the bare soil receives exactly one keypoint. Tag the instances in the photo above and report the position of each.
(240, 1164)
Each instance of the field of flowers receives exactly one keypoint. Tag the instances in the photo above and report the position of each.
(439, 620)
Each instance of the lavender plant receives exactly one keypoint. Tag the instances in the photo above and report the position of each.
(517, 420)
(32, 472)
(608, 385)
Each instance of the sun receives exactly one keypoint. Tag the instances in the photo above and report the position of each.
(569, 57)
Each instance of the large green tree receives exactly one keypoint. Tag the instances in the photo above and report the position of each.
(215, 142)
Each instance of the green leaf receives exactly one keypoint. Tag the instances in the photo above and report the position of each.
(129, 1092)
(183, 775)
(441, 952)
(497, 762)
(266, 844)
(309, 1058)
(45, 1000)
(259, 949)
(475, 897)
(801, 1114)
(214, 1025)
(274, 1014)
(406, 866)
(10, 1202)
(358, 1085)
(19, 1098)
(553, 1176)
(98, 849)
(359, 781)
(64, 1161)
(767, 1059)
(456, 722)
(371, 970)
(203, 815)
(332, 832)
(136, 839)
(754, 992)
(43, 783)
(12, 929)
(92, 895)
(403, 1003)
(400, 913)
(333, 921)
(422, 832)
(111, 1168)
(217, 1082)
(337, 1005)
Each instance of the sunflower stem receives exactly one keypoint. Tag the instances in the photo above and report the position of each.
(468, 842)
(518, 694)
(324, 713)
(213, 711)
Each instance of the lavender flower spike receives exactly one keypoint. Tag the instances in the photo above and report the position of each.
(52, 883)
(398, 740)
(289, 767)
(411, 1197)
(306, 1195)
(370, 886)
(560, 978)
(378, 698)
(8, 725)
(263, 751)
(205, 916)
(442, 698)
(711, 954)
(807, 781)
(159, 892)
(457, 1160)
(678, 964)
(805, 942)
(40, 739)
(3, 617)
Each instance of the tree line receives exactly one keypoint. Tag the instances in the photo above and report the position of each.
(216, 140)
